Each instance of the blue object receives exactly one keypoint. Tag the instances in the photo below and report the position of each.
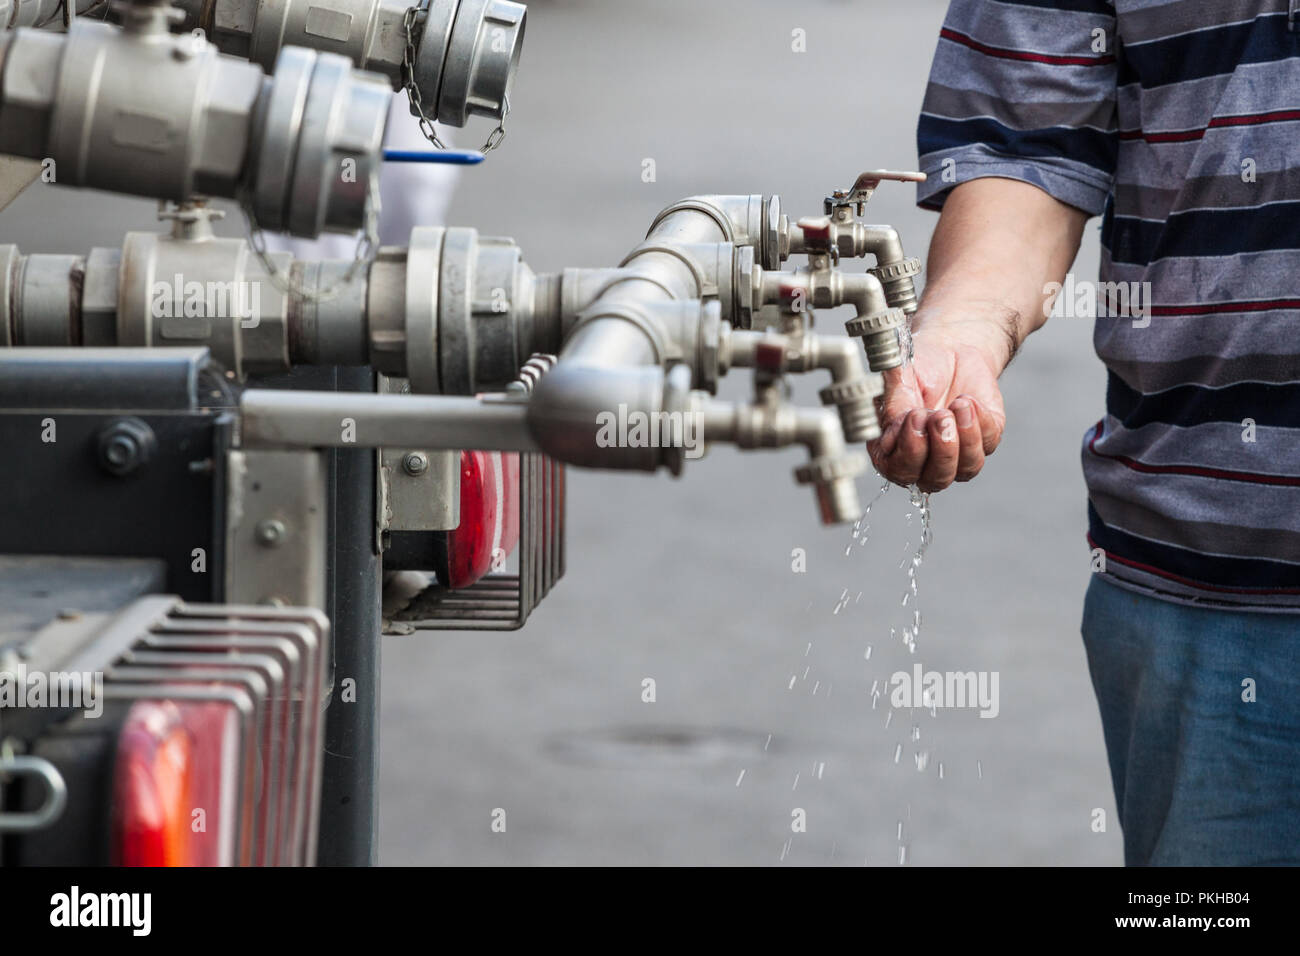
(454, 157)
(1206, 767)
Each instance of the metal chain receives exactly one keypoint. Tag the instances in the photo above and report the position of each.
(417, 100)
(367, 250)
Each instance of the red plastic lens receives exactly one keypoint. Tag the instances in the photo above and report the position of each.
(489, 516)
(175, 802)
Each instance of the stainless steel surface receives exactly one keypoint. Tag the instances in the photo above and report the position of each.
(138, 110)
(276, 528)
(466, 51)
(285, 419)
(419, 490)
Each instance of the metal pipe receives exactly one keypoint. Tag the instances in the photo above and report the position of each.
(831, 470)
(141, 111)
(852, 391)
(272, 418)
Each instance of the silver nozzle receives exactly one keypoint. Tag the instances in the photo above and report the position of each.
(832, 478)
(880, 337)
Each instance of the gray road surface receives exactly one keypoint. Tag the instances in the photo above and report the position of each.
(689, 582)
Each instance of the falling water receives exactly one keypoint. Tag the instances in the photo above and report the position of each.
(920, 500)
(862, 528)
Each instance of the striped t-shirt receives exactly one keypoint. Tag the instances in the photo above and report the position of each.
(1179, 122)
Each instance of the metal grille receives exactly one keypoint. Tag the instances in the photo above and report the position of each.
(499, 601)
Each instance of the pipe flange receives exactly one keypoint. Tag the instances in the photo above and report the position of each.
(859, 390)
(771, 241)
(276, 137)
(421, 326)
(902, 269)
(747, 280)
(877, 322)
(826, 469)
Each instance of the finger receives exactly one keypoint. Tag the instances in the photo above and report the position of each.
(991, 425)
(970, 454)
(941, 465)
(903, 465)
(889, 438)
(897, 399)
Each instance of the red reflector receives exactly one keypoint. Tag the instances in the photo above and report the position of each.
(489, 516)
(174, 799)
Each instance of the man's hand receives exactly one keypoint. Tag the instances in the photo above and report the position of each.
(941, 414)
(999, 245)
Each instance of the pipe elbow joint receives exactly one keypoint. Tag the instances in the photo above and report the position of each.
(597, 416)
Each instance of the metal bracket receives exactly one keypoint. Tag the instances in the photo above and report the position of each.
(500, 601)
(419, 488)
(276, 536)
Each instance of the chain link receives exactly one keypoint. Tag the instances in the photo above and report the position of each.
(368, 240)
(417, 100)
(366, 251)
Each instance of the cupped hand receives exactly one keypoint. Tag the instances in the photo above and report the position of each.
(941, 414)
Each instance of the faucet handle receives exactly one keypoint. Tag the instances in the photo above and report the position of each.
(860, 192)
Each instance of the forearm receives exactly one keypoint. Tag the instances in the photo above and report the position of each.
(999, 244)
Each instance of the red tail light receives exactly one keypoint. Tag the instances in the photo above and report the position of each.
(218, 759)
(489, 517)
(174, 804)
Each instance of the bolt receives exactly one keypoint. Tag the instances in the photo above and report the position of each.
(415, 464)
(125, 445)
(270, 533)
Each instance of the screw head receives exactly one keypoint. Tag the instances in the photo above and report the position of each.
(270, 533)
(415, 464)
(125, 445)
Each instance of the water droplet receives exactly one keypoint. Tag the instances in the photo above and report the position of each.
(979, 768)
(740, 778)
(898, 752)
(867, 656)
(796, 780)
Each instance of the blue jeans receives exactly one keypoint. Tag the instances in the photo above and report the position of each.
(1202, 776)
